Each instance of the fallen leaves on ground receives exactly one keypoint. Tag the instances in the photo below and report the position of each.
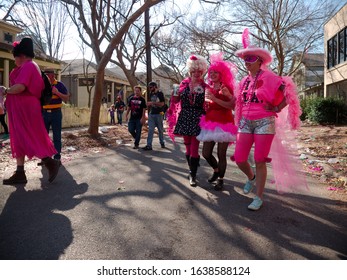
(324, 155)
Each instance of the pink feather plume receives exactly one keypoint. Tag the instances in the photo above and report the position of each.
(245, 38)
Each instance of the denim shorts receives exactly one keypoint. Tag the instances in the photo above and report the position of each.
(261, 126)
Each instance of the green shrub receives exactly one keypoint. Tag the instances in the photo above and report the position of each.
(326, 110)
(304, 108)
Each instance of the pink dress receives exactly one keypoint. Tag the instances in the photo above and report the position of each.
(217, 125)
(28, 135)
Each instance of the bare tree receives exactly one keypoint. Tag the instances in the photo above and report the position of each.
(285, 27)
(47, 23)
(7, 7)
(95, 18)
(280, 26)
(197, 33)
(169, 49)
(131, 50)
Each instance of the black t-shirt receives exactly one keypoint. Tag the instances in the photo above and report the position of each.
(119, 105)
(136, 105)
(156, 97)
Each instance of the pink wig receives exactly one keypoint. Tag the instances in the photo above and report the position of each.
(226, 70)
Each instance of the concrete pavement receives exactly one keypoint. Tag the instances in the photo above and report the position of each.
(122, 203)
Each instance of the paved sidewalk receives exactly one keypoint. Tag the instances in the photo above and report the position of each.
(123, 203)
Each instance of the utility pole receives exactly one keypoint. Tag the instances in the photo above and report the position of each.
(148, 50)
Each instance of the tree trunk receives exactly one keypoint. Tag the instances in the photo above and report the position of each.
(95, 113)
(131, 78)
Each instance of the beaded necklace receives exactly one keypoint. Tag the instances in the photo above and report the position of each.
(244, 88)
(193, 92)
(247, 82)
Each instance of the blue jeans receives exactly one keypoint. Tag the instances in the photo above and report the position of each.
(120, 116)
(155, 120)
(54, 120)
(135, 127)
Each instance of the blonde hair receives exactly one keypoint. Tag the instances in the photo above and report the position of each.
(196, 62)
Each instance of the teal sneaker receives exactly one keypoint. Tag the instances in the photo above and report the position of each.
(249, 186)
(256, 204)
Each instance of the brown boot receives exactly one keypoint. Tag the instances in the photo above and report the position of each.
(53, 168)
(18, 177)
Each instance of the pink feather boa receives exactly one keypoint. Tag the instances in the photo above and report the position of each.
(174, 110)
(284, 149)
(172, 116)
(294, 109)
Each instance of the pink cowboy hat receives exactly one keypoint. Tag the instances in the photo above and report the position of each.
(247, 50)
(264, 55)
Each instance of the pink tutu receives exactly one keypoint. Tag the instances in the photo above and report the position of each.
(216, 132)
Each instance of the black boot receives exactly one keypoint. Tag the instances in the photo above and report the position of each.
(214, 177)
(188, 161)
(192, 180)
(220, 185)
(52, 166)
(18, 177)
(194, 163)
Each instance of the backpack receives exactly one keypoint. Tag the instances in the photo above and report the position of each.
(46, 94)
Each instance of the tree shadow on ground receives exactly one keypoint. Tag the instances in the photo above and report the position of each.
(291, 226)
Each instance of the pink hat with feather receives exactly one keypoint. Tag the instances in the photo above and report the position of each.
(248, 50)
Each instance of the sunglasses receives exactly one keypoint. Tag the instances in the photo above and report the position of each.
(251, 58)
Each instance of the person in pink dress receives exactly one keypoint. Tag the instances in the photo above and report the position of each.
(217, 125)
(28, 136)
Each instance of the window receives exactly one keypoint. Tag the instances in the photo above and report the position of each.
(108, 87)
(342, 46)
(8, 38)
(337, 49)
(332, 52)
(86, 82)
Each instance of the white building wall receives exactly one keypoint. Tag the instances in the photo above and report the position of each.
(335, 77)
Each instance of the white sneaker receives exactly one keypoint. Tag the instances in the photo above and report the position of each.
(256, 204)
